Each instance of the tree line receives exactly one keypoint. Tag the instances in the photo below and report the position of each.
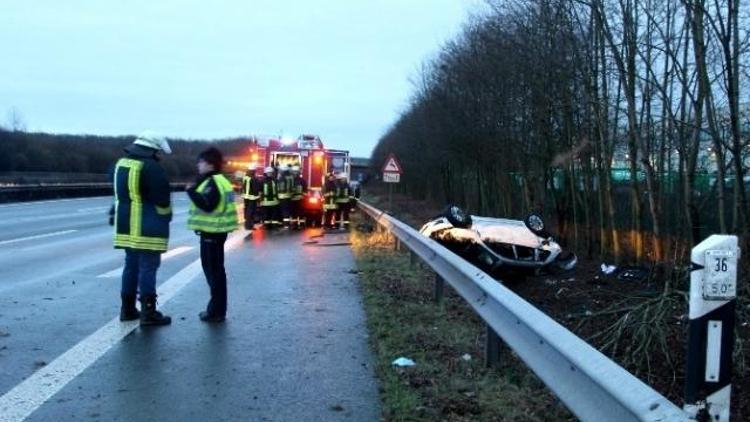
(43, 152)
(627, 120)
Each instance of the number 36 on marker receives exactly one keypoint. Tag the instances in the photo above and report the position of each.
(720, 275)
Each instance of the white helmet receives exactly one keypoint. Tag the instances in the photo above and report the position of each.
(284, 167)
(151, 139)
(268, 170)
(252, 167)
(295, 169)
(341, 175)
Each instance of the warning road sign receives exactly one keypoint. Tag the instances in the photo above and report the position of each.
(392, 165)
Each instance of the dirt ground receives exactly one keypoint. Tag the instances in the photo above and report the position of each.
(633, 320)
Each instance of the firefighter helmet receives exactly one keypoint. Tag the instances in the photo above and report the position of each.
(295, 169)
(151, 139)
(268, 170)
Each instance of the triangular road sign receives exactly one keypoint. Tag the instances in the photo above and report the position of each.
(392, 165)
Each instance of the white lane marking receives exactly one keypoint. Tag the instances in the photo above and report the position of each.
(20, 402)
(31, 203)
(174, 252)
(39, 236)
(92, 209)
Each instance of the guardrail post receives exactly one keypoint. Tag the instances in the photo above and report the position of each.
(396, 244)
(438, 288)
(713, 294)
(491, 347)
(412, 258)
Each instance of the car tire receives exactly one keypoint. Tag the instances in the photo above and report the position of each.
(535, 223)
(457, 217)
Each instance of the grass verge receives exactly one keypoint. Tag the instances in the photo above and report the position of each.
(446, 340)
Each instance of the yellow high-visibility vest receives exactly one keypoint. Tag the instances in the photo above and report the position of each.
(223, 219)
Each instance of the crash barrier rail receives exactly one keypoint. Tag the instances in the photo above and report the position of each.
(591, 385)
(32, 192)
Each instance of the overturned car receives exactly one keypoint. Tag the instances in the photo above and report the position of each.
(498, 245)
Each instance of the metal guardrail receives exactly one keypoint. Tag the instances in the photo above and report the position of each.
(591, 385)
(30, 192)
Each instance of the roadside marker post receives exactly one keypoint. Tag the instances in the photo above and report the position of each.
(713, 295)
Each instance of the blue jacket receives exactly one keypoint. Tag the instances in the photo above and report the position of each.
(142, 201)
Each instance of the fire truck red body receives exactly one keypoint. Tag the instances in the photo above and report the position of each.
(313, 159)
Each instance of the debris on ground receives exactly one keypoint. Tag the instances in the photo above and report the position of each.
(403, 362)
(608, 269)
(466, 357)
(632, 273)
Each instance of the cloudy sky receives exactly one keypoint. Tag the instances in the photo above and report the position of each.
(198, 69)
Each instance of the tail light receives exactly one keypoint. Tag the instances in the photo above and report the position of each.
(313, 200)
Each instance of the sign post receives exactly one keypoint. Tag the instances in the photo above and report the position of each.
(392, 171)
(713, 292)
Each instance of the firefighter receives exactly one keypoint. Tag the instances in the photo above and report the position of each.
(330, 206)
(213, 214)
(269, 200)
(299, 188)
(343, 201)
(285, 184)
(141, 217)
(251, 186)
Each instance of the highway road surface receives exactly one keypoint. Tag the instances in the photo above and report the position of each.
(293, 348)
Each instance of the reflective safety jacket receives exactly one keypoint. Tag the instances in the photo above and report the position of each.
(329, 195)
(285, 186)
(251, 187)
(342, 192)
(223, 217)
(142, 201)
(299, 187)
(269, 194)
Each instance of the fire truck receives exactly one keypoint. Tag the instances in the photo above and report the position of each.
(313, 159)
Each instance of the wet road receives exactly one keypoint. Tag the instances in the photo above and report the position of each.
(294, 346)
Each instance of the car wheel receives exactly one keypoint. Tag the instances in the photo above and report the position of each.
(457, 217)
(535, 223)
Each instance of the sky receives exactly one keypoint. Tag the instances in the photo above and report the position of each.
(341, 69)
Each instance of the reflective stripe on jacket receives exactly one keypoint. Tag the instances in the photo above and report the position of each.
(286, 183)
(299, 187)
(223, 219)
(142, 202)
(342, 193)
(250, 189)
(329, 193)
(269, 196)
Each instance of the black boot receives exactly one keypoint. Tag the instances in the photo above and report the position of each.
(149, 314)
(128, 311)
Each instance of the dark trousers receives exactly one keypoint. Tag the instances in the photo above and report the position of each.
(343, 214)
(139, 273)
(285, 208)
(251, 208)
(212, 260)
(296, 212)
(330, 217)
(270, 215)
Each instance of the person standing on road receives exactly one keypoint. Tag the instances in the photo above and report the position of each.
(299, 188)
(141, 217)
(285, 184)
(269, 200)
(330, 206)
(343, 201)
(213, 214)
(251, 195)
